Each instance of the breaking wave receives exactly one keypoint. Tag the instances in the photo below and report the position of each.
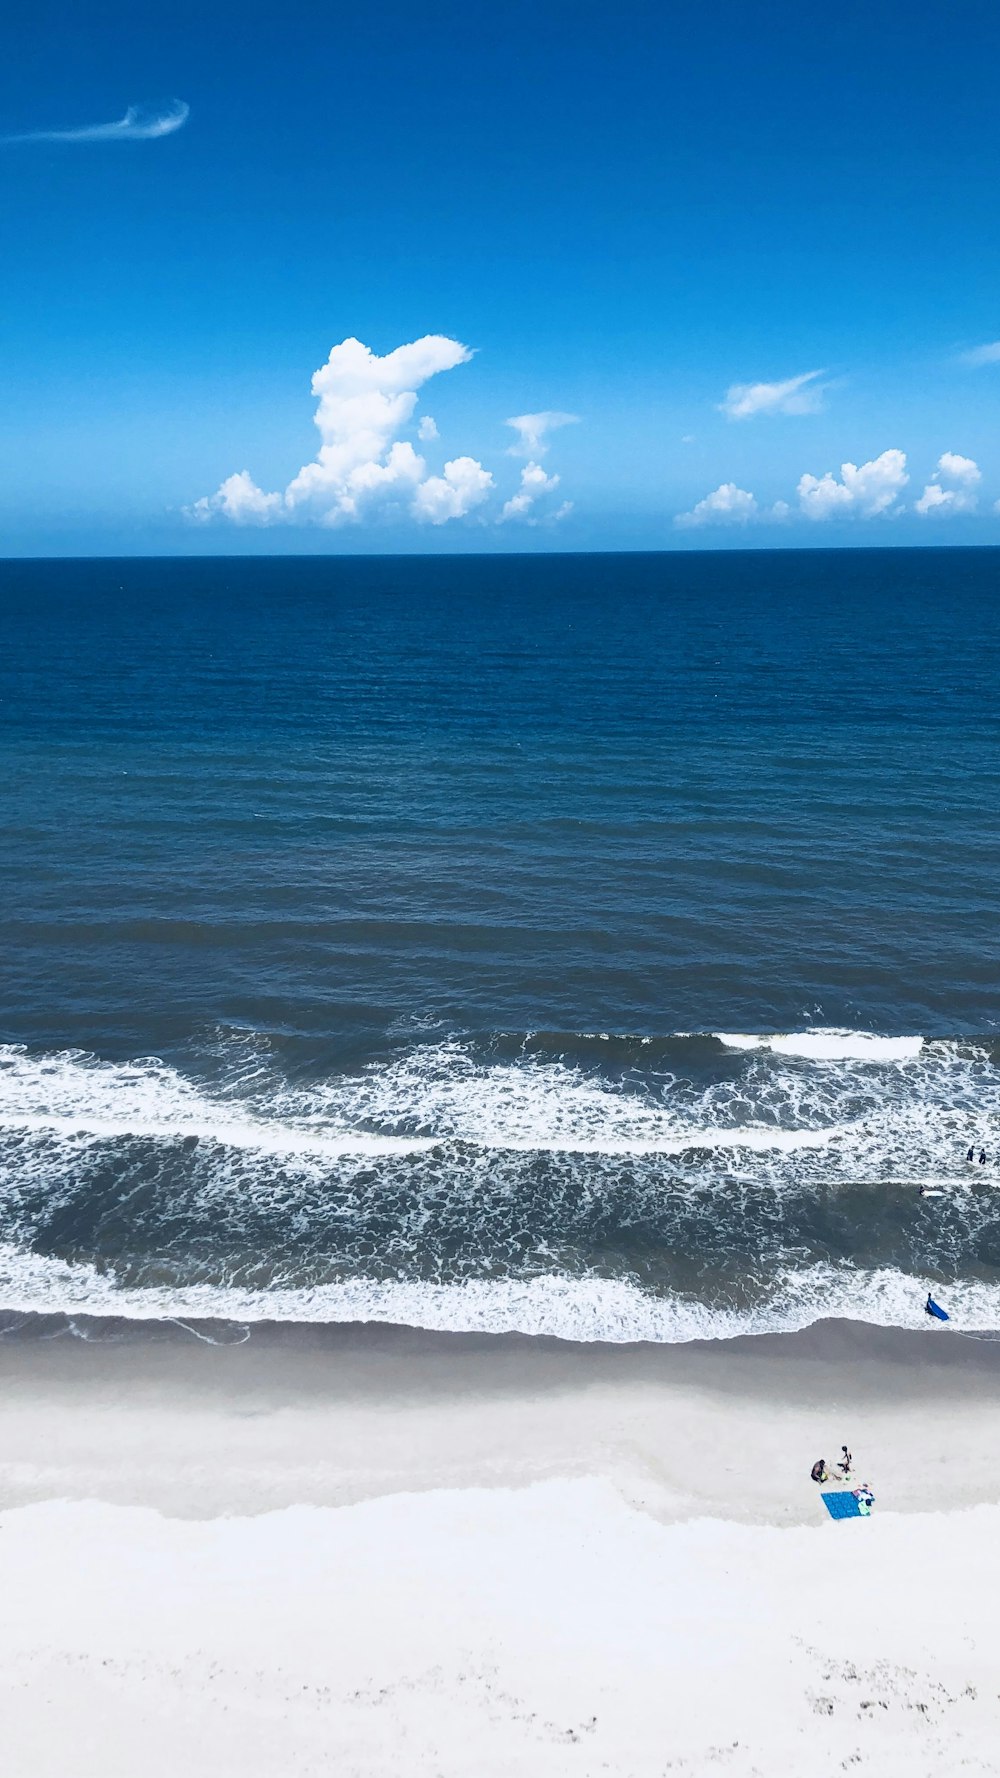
(615, 1311)
(830, 1046)
(589, 1186)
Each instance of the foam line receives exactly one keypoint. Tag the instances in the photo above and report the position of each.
(259, 1138)
(506, 1107)
(588, 1309)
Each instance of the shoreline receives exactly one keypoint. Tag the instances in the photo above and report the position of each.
(154, 1415)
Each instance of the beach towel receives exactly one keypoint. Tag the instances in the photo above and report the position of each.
(843, 1505)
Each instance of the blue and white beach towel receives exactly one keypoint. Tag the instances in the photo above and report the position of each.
(845, 1504)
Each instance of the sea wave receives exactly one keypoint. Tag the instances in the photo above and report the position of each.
(828, 1045)
(760, 1104)
(72, 1093)
(438, 1094)
(455, 1182)
(591, 1309)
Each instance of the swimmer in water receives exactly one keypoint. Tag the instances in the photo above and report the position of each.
(982, 1157)
(971, 1155)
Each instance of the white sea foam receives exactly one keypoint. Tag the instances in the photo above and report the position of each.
(71, 1094)
(828, 1045)
(846, 1116)
(230, 1132)
(435, 1095)
(548, 1105)
(452, 1158)
(591, 1309)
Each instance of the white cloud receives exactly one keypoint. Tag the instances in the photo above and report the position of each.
(939, 500)
(427, 429)
(988, 354)
(796, 395)
(868, 491)
(531, 430)
(934, 499)
(362, 465)
(140, 124)
(464, 484)
(728, 505)
(240, 500)
(534, 483)
(959, 469)
(364, 401)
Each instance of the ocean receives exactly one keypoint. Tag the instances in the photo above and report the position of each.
(597, 946)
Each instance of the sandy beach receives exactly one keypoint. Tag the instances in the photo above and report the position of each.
(372, 1551)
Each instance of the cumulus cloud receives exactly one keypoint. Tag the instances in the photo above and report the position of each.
(427, 429)
(532, 428)
(796, 395)
(871, 490)
(866, 492)
(534, 484)
(362, 465)
(939, 498)
(959, 469)
(727, 505)
(240, 500)
(464, 484)
(988, 354)
(141, 123)
(364, 402)
(934, 499)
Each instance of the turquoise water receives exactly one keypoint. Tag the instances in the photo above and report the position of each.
(369, 927)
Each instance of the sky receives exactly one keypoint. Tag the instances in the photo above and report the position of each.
(547, 276)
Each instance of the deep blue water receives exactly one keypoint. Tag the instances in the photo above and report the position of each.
(449, 851)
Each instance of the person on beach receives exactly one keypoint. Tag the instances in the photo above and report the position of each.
(844, 1466)
(819, 1471)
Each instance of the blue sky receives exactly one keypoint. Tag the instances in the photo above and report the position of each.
(622, 213)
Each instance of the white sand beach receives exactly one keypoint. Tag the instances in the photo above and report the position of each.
(371, 1552)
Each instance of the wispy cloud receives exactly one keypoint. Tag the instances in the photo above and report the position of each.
(141, 123)
(795, 395)
(988, 354)
(532, 428)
